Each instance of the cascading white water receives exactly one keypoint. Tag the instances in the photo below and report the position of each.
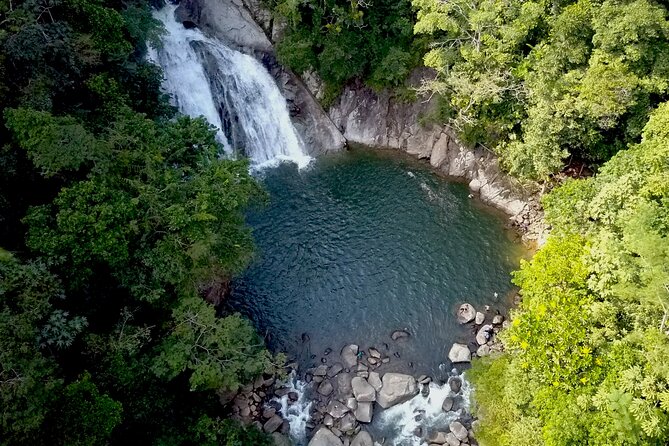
(297, 412)
(233, 91)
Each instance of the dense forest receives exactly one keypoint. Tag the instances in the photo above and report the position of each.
(117, 215)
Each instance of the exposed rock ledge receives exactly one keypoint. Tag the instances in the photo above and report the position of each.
(378, 120)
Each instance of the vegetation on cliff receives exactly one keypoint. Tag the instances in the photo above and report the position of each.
(115, 216)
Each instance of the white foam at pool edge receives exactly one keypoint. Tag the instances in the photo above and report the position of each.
(298, 413)
(434, 418)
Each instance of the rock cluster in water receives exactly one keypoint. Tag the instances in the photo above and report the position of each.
(485, 339)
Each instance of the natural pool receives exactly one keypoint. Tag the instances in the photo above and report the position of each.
(366, 242)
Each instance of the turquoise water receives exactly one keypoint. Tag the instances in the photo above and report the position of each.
(366, 242)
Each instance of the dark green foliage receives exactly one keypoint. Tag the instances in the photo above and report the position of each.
(118, 213)
(342, 40)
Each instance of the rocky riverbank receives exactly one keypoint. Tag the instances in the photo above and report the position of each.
(336, 402)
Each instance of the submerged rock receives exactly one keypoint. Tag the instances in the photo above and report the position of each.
(459, 353)
(397, 388)
(325, 437)
(399, 334)
(455, 383)
(466, 313)
(362, 439)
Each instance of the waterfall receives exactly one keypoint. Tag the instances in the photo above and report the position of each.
(233, 91)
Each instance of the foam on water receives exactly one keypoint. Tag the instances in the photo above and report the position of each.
(296, 413)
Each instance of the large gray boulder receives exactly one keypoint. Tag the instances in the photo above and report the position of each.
(349, 355)
(374, 380)
(459, 353)
(344, 388)
(458, 430)
(466, 313)
(397, 388)
(364, 412)
(484, 334)
(362, 439)
(362, 390)
(325, 437)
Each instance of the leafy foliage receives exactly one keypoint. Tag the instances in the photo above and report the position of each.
(542, 81)
(584, 352)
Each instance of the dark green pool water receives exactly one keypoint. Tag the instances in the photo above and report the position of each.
(367, 242)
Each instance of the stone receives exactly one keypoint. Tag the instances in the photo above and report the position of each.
(362, 367)
(385, 360)
(351, 403)
(325, 388)
(397, 388)
(399, 334)
(325, 437)
(336, 409)
(498, 319)
(418, 432)
(437, 438)
(455, 383)
(483, 350)
(452, 440)
(374, 353)
(344, 387)
(280, 439)
(364, 412)
(328, 420)
(349, 354)
(459, 353)
(484, 334)
(335, 370)
(272, 424)
(362, 390)
(348, 423)
(466, 313)
(373, 361)
(268, 413)
(293, 396)
(480, 318)
(364, 375)
(458, 430)
(425, 390)
(447, 405)
(321, 370)
(374, 380)
(424, 379)
(362, 439)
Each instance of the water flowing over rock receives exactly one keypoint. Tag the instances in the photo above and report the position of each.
(232, 21)
(396, 389)
(325, 437)
(459, 353)
(244, 102)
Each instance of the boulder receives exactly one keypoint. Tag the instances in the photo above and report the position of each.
(321, 370)
(484, 334)
(399, 334)
(280, 439)
(480, 318)
(483, 350)
(437, 438)
(268, 413)
(458, 430)
(362, 390)
(344, 387)
(349, 355)
(364, 412)
(397, 388)
(348, 423)
(459, 353)
(335, 370)
(466, 313)
(351, 403)
(498, 319)
(447, 405)
(362, 439)
(336, 409)
(452, 440)
(455, 383)
(375, 380)
(325, 437)
(325, 388)
(272, 424)
(374, 353)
